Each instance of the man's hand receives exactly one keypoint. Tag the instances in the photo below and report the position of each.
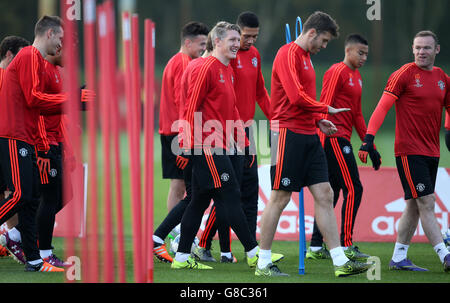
(368, 149)
(327, 127)
(375, 157)
(43, 162)
(334, 111)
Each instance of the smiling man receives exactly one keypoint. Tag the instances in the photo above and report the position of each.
(211, 99)
(250, 89)
(342, 87)
(420, 92)
(298, 158)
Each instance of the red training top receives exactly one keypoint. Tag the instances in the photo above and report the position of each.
(249, 84)
(211, 95)
(419, 96)
(293, 91)
(170, 93)
(22, 97)
(342, 88)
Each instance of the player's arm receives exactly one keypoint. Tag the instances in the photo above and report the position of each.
(240, 136)
(196, 93)
(289, 78)
(358, 121)
(178, 74)
(330, 85)
(447, 129)
(368, 147)
(394, 88)
(262, 96)
(447, 115)
(30, 81)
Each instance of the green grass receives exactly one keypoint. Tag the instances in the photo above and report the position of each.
(317, 271)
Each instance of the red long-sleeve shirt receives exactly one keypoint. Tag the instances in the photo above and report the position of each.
(342, 88)
(170, 92)
(211, 95)
(249, 84)
(23, 97)
(293, 91)
(419, 96)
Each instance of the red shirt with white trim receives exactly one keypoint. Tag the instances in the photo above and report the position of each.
(293, 91)
(420, 97)
(249, 84)
(23, 98)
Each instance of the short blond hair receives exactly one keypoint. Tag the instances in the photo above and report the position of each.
(220, 30)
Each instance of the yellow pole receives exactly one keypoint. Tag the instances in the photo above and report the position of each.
(47, 7)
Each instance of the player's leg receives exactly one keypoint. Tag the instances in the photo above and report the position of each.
(250, 193)
(177, 190)
(417, 175)
(209, 174)
(172, 219)
(17, 167)
(352, 193)
(23, 181)
(318, 183)
(170, 170)
(210, 230)
(317, 249)
(50, 203)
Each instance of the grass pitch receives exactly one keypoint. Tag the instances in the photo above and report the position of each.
(421, 254)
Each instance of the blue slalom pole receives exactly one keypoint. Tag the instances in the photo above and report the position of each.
(301, 204)
(288, 34)
(301, 234)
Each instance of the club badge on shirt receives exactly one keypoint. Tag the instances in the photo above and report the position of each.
(255, 62)
(350, 81)
(441, 84)
(222, 79)
(418, 84)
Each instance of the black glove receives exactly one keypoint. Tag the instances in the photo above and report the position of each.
(369, 149)
(447, 138)
(182, 162)
(375, 157)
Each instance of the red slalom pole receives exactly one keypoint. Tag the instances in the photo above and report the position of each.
(72, 87)
(105, 95)
(136, 113)
(132, 96)
(90, 261)
(112, 72)
(149, 67)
